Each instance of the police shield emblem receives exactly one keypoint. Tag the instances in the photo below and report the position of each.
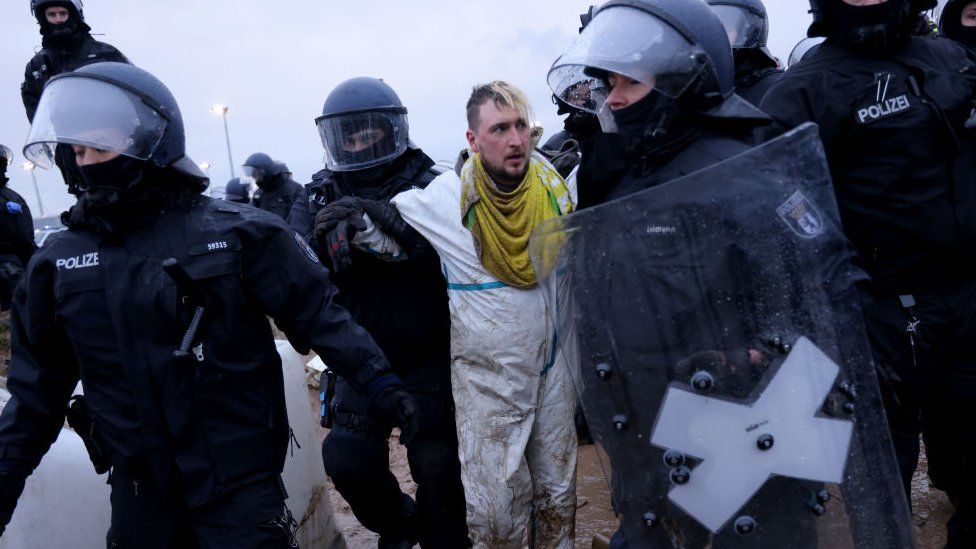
(801, 215)
(717, 345)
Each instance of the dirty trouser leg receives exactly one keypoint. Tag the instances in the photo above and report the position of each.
(493, 431)
(552, 456)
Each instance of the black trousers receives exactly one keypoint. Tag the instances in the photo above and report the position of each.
(356, 454)
(253, 517)
(925, 350)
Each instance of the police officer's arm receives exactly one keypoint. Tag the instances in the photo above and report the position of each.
(30, 91)
(286, 278)
(300, 219)
(43, 373)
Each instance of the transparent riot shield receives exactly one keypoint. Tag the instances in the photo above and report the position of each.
(714, 330)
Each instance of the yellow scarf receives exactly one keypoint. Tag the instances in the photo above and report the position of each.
(501, 223)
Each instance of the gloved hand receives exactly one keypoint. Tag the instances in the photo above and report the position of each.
(347, 208)
(386, 216)
(11, 486)
(391, 403)
(335, 226)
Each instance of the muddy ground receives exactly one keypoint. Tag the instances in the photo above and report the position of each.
(595, 518)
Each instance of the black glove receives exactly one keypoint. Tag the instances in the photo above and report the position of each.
(385, 216)
(391, 403)
(347, 208)
(11, 486)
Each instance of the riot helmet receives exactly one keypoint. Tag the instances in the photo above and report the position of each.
(804, 48)
(113, 107)
(235, 191)
(363, 125)
(679, 47)
(260, 169)
(6, 159)
(746, 22)
(951, 25)
(74, 24)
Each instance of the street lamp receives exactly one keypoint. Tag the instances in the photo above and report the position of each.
(29, 166)
(221, 110)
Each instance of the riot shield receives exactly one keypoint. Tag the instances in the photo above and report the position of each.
(714, 330)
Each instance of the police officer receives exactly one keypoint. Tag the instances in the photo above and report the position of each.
(747, 25)
(893, 111)
(958, 22)
(235, 191)
(401, 299)
(655, 133)
(16, 233)
(66, 45)
(661, 119)
(276, 192)
(576, 101)
(158, 298)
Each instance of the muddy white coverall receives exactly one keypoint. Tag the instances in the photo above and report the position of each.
(514, 394)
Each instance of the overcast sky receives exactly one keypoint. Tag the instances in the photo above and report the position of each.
(274, 63)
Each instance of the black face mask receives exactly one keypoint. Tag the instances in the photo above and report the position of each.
(3, 172)
(376, 183)
(119, 175)
(655, 119)
(269, 182)
(953, 28)
(876, 29)
(582, 125)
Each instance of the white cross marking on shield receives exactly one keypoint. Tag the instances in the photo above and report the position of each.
(724, 436)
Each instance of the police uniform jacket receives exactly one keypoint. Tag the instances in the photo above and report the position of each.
(278, 197)
(901, 159)
(16, 228)
(104, 310)
(402, 302)
(50, 62)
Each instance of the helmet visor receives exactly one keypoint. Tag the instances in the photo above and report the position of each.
(92, 113)
(630, 42)
(358, 141)
(745, 28)
(252, 173)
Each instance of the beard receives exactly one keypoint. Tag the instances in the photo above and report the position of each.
(503, 175)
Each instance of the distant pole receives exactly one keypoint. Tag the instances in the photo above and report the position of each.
(222, 111)
(30, 167)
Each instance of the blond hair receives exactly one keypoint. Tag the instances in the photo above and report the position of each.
(505, 96)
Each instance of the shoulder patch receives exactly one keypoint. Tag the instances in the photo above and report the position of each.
(306, 248)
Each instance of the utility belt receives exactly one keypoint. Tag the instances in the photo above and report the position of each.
(334, 416)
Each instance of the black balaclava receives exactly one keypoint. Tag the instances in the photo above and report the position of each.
(269, 183)
(376, 183)
(3, 172)
(121, 194)
(66, 34)
(657, 120)
(873, 30)
(749, 61)
(952, 27)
